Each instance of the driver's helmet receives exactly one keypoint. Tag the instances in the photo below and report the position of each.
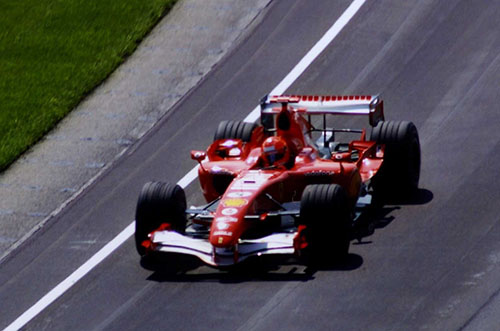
(275, 151)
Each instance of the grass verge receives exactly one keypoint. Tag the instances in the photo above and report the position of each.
(54, 52)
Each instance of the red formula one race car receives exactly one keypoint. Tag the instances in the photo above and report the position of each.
(287, 186)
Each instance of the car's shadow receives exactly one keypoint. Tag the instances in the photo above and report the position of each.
(421, 197)
(378, 215)
(185, 268)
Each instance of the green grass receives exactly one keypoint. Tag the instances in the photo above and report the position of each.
(54, 52)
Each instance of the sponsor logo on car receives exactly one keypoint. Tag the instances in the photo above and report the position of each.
(239, 194)
(229, 211)
(253, 181)
(222, 225)
(226, 219)
(234, 202)
(223, 233)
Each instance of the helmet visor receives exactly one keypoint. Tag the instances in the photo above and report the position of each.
(273, 157)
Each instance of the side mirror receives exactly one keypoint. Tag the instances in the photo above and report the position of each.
(342, 157)
(198, 155)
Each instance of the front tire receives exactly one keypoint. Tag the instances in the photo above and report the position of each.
(158, 203)
(326, 213)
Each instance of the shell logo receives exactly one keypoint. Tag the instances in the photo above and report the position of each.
(236, 202)
(222, 225)
(229, 211)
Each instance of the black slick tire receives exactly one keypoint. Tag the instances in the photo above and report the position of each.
(400, 172)
(235, 130)
(325, 211)
(158, 203)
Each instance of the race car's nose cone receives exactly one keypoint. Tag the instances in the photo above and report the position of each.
(228, 225)
(229, 221)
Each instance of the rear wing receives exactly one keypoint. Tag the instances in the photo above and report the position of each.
(370, 105)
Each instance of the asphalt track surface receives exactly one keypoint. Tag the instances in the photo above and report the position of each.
(429, 263)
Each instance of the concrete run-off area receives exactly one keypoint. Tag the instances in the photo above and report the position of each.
(182, 48)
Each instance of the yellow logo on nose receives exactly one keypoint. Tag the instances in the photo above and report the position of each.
(234, 202)
(221, 240)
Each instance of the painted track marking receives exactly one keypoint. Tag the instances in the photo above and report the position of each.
(109, 248)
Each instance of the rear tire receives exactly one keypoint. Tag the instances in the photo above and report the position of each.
(326, 213)
(400, 172)
(158, 203)
(235, 130)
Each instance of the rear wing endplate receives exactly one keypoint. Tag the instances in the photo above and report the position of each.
(370, 105)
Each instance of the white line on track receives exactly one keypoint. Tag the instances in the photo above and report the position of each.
(104, 252)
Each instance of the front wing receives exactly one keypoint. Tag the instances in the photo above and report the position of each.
(173, 242)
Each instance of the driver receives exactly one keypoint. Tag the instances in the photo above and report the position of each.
(276, 152)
